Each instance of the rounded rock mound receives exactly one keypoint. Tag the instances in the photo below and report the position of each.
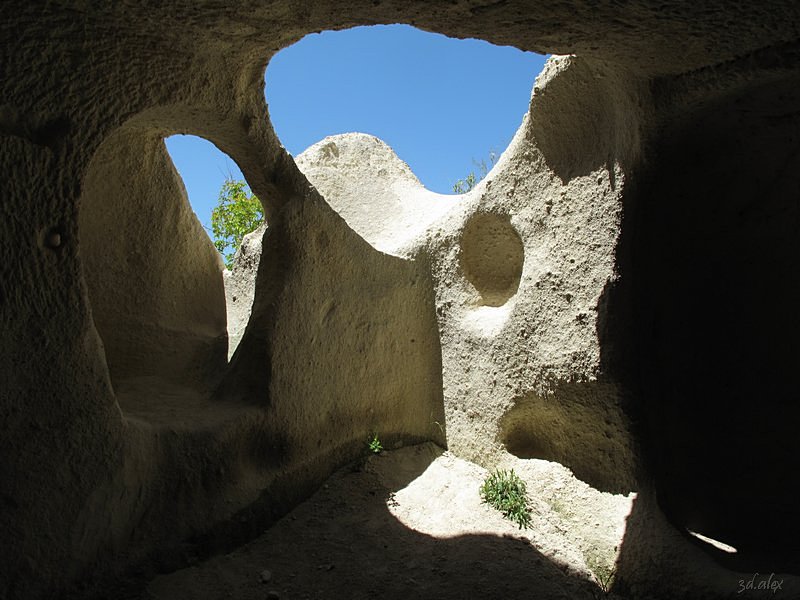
(372, 189)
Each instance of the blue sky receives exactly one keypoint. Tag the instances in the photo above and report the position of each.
(439, 103)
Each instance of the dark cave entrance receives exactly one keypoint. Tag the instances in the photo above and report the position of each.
(717, 262)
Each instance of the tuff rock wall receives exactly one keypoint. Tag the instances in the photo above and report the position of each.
(617, 296)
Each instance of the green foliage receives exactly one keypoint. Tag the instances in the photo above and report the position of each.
(375, 445)
(238, 212)
(604, 574)
(605, 578)
(462, 186)
(505, 491)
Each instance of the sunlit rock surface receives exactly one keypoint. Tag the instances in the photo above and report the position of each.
(618, 296)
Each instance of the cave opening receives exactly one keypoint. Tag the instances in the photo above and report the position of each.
(153, 276)
(448, 107)
(718, 261)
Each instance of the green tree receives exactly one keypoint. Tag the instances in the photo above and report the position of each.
(238, 212)
(462, 186)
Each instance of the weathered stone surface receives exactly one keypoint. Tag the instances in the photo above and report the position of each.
(240, 286)
(638, 327)
(373, 190)
(152, 275)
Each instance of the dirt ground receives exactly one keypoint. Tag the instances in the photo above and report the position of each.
(410, 524)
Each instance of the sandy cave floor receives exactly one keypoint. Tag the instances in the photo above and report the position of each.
(410, 524)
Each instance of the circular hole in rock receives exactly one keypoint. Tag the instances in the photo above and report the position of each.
(492, 255)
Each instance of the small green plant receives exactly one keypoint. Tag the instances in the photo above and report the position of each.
(462, 186)
(506, 492)
(605, 578)
(375, 445)
(604, 575)
(601, 564)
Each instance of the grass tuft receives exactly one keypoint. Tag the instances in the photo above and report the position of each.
(506, 492)
(375, 445)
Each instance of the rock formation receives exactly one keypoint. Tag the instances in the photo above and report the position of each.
(619, 295)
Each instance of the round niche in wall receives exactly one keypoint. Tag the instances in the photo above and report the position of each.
(491, 257)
